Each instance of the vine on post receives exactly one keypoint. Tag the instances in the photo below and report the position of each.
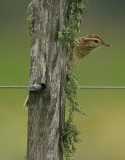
(67, 34)
(30, 17)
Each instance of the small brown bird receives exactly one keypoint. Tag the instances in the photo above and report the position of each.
(86, 45)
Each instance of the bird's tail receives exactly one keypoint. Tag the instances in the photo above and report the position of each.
(26, 103)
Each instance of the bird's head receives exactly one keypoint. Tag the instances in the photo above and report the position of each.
(85, 46)
(93, 41)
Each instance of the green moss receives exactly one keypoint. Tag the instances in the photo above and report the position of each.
(74, 10)
(67, 34)
(30, 17)
(71, 132)
(69, 139)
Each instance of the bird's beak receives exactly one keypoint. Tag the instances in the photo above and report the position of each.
(106, 44)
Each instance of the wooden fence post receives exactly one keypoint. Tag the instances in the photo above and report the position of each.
(46, 111)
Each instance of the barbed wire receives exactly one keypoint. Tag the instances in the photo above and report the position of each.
(80, 87)
(14, 87)
(101, 87)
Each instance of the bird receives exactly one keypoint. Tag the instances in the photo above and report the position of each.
(86, 45)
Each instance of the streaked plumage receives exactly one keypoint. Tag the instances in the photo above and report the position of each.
(86, 45)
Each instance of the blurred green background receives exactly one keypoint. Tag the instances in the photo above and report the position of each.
(103, 132)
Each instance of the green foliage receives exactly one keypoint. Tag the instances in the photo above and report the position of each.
(71, 94)
(74, 16)
(30, 17)
(70, 138)
(67, 34)
(71, 132)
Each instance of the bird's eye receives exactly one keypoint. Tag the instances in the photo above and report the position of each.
(96, 41)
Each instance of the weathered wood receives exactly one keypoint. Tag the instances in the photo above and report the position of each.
(46, 111)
